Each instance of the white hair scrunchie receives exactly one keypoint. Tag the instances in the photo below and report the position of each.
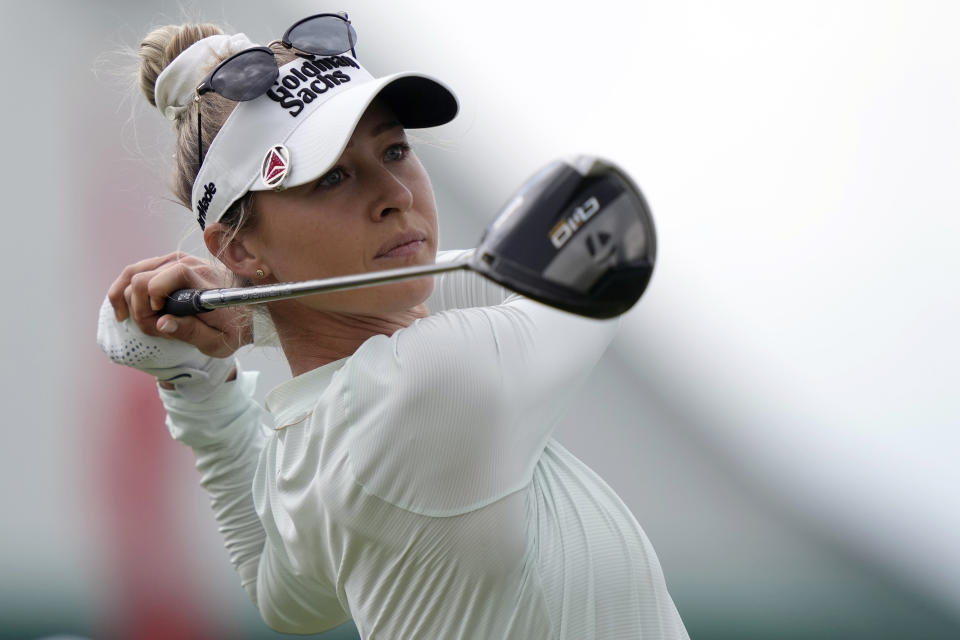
(176, 85)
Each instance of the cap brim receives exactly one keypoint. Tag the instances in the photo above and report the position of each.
(417, 100)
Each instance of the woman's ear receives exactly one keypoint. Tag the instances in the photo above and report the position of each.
(230, 247)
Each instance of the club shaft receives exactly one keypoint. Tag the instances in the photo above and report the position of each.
(218, 298)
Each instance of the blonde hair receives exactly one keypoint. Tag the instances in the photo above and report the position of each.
(158, 49)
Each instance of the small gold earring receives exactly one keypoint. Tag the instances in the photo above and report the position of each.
(259, 273)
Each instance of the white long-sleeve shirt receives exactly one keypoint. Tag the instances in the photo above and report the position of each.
(415, 487)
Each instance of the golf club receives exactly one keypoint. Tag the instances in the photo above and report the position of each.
(577, 236)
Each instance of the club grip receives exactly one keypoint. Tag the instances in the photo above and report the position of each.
(185, 302)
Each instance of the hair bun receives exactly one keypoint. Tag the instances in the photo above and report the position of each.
(162, 45)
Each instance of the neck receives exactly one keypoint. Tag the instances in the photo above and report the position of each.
(311, 338)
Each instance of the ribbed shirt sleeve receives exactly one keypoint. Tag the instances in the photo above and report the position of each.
(226, 436)
(463, 289)
(453, 413)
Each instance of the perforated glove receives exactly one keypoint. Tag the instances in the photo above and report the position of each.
(194, 374)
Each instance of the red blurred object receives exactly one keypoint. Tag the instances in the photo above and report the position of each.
(153, 596)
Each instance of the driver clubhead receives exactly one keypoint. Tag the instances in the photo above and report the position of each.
(577, 236)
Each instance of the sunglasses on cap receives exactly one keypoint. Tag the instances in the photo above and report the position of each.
(249, 74)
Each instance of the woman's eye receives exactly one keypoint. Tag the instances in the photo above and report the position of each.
(332, 178)
(397, 151)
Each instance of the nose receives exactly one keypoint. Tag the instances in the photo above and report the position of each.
(392, 195)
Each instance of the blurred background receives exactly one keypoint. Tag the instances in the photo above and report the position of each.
(780, 411)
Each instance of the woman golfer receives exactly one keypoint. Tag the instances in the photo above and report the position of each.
(409, 480)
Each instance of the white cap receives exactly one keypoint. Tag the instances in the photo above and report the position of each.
(295, 132)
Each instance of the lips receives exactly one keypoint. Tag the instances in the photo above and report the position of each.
(402, 244)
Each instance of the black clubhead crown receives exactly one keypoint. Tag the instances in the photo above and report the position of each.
(578, 236)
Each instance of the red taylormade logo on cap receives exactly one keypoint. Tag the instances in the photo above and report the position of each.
(275, 167)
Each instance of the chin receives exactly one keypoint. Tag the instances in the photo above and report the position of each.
(399, 297)
(410, 294)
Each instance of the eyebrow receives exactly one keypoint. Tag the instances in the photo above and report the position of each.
(383, 127)
(386, 126)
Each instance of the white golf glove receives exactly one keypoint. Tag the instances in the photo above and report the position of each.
(194, 374)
